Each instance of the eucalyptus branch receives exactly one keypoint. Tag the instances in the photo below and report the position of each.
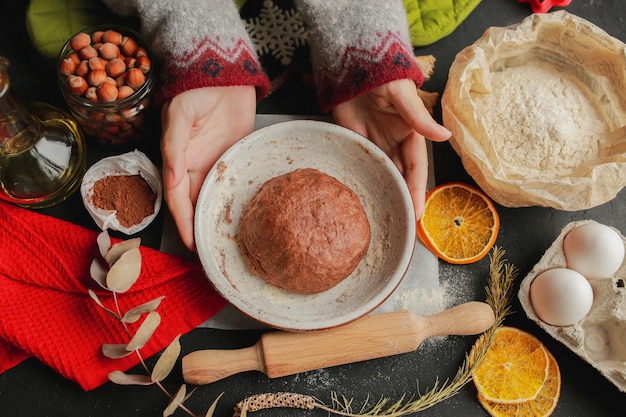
(117, 272)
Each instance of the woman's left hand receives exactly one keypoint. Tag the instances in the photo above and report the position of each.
(394, 117)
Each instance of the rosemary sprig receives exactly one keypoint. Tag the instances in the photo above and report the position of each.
(498, 296)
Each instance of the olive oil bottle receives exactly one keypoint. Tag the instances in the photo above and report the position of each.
(42, 150)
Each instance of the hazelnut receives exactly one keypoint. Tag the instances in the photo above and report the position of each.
(111, 128)
(128, 46)
(141, 52)
(80, 41)
(96, 77)
(144, 64)
(77, 84)
(97, 63)
(112, 36)
(82, 111)
(67, 66)
(109, 51)
(74, 57)
(121, 80)
(96, 37)
(135, 78)
(87, 52)
(96, 115)
(130, 62)
(124, 91)
(82, 68)
(115, 67)
(105, 137)
(90, 94)
(125, 126)
(112, 117)
(106, 92)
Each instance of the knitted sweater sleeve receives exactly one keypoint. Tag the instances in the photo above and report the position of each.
(357, 46)
(200, 43)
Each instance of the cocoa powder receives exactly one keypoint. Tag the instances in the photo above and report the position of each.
(130, 195)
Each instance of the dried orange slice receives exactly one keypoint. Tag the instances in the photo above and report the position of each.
(542, 406)
(514, 369)
(459, 223)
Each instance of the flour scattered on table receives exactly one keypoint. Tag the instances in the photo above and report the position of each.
(426, 301)
(320, 378)
(420, 301)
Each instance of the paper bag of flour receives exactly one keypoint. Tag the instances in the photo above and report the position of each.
(537, 112)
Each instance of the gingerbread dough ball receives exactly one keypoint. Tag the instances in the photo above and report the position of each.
(304, 231)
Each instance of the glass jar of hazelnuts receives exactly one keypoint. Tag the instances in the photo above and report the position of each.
(106, 76)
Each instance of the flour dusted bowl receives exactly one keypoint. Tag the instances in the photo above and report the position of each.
(340, 153)
(537, 112)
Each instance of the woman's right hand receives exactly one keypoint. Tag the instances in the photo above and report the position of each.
(198, 126)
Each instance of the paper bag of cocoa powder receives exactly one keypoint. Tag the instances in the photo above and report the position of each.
(128, 164)
(537, 112)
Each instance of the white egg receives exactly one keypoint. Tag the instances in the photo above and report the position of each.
(593, 249)
(561, 296)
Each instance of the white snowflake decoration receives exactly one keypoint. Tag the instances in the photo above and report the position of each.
(277, 32)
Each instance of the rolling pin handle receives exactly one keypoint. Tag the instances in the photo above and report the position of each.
(206, 366)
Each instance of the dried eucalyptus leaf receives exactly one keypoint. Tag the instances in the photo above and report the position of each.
(144, 332)
(94, 297)
(176, 401)
(120, 378)
(133, 314)
(114, 351)
(125, 272)
(166, 362)
(104, 243)
(118, 249)
(98, 273)
(211, 410)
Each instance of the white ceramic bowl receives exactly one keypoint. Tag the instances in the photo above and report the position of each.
(281, 148)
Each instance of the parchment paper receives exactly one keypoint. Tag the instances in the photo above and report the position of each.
(571, 45)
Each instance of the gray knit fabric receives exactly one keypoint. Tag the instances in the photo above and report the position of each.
(356, 45)
(359, 23)
(178, 28)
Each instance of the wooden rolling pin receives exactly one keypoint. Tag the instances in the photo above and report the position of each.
(282, 353)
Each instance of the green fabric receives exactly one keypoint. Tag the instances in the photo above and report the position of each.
(50, 23)
(432, 20)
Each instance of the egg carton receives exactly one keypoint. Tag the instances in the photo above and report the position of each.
(600, 337)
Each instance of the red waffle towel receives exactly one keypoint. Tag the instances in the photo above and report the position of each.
(46, 312)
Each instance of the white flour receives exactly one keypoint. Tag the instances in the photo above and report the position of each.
(544, 127)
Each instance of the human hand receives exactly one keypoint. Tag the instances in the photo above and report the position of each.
(394, 117)
(198, 126)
